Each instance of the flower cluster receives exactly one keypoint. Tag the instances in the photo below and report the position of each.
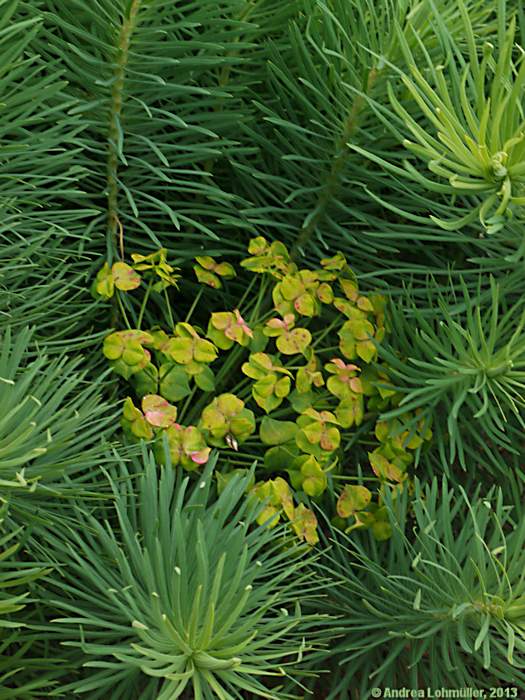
(310, 375)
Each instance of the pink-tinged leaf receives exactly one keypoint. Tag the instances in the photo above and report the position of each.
(200, 456)
(356, 385)
(242, 323)
(338, 362)
(158, 411)
(276, 323)
(125, 277)
(294, 341)
(341, 364)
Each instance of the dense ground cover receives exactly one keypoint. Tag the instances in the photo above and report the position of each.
(263, 363)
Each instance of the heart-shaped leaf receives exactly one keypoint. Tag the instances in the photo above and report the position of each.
(383, 468)
(278, 458)
(104, 284)
(366, 350)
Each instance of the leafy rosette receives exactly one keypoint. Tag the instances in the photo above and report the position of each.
(289, 340)
(126, 352)
(273, 381)
(228, 327)
(226, 421)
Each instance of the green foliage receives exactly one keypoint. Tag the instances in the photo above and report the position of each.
(476, 111)
(198, 597)
(272, 381)
(22, 673)
(444, 600)
(54, 429)
(465, 369)
(210, 272)
(43, 285)
(119, 275)
(126, 351)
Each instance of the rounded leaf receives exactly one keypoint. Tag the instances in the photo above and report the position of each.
(113, 346)
(282, 387)
(366, 350)
(350, 411)
(314, 478)
(361, 329)
(158, 411)
(173, 382)
(207, 277)
(276, 432)
(204, 351)
(325, 293)
(205, 380)
(383, 468)
(353, 499)
(181, 350)
(306, 305)
(294, 341)
(125, 277)
(225, 270)
(305, 524)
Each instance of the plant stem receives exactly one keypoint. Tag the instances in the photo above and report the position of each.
(225, 72)
(115, 137)
(193, 306)
(332, 183)
(247, 292)
(143, 306)
(188, 403)
(123, 310)
(170, 313)
(328, 329)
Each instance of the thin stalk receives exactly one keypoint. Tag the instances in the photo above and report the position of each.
(123, 311)
(170, 313)
(193, 306)
(361, 477)
(247, 292)
(189, 400)
(144, 303)
(328, 329)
